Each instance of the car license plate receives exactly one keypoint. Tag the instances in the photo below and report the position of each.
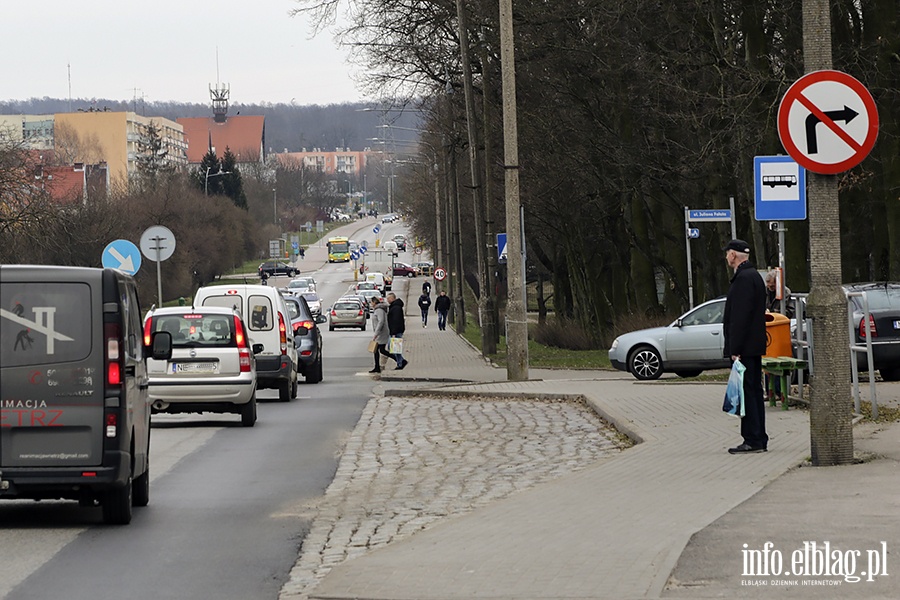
(195, 367)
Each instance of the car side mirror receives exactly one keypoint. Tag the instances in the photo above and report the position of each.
(161, 346)
(678, 322)
(321, 319)
(257, 348)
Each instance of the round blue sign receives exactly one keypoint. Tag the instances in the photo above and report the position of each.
(363, 249)
(354, 255)
(376, 229)
(122, 255)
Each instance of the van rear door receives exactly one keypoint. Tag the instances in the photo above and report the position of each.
(51, 357)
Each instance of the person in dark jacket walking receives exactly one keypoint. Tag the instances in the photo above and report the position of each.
(424, 306)
(396, 325)
(442, 307)
(381, 335)
(744, 327)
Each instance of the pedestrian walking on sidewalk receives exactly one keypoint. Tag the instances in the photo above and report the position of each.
(744, 328)
(382, 335)
(396, 325)
(424, 306)
(442, 307)
(426, 288)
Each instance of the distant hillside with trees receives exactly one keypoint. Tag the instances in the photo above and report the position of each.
(288, 127)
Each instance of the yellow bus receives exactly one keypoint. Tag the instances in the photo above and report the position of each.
(338, 249)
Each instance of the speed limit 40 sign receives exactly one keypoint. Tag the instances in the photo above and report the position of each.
(440, 274)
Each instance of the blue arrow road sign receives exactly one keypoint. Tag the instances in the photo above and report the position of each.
(354, 255)
(376, 229)
(363, 249)
(122, 255)
(779, 185)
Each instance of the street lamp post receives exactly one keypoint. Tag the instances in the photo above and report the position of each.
(206, 181)
(274, 206)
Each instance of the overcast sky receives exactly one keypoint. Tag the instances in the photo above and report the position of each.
(166, 50)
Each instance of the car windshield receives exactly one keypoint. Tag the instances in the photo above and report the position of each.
(298, 283)
(879, 299)
(346, 306)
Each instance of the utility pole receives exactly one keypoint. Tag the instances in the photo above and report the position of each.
(830, 417)
(516, 324)
(485, 301)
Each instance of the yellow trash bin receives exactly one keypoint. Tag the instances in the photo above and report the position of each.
(778, 335)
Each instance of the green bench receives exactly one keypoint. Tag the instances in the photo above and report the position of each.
(779, 370)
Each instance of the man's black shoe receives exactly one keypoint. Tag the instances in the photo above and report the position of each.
(403, 366)
(375, 371)
(745, 449)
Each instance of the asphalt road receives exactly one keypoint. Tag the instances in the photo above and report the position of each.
(228, 505)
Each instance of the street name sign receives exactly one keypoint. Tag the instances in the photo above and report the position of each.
(709, 215)
(827, 122)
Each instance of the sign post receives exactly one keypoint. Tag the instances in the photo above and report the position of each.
(158, 244)
(715, 215)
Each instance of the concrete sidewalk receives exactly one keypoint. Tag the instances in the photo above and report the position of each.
(667, 517)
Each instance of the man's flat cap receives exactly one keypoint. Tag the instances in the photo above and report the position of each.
(737, 246)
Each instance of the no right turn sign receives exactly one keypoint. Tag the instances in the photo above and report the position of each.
(828, 122)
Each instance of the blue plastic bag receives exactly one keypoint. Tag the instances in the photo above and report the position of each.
(734, 393)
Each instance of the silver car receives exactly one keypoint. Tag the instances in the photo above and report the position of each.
(688, 346)
(347, 312)
(212, 368)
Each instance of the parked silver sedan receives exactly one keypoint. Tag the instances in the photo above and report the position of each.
(688, 346)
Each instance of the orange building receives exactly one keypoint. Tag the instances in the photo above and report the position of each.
(342, 160)
(244, 136)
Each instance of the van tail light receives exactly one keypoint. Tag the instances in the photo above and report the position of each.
(114, 354)
(282, 332)
(240, 338)
(147, 330)
(112, 424)
(862, 327)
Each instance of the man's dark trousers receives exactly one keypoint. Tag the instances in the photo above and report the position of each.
(753, 425)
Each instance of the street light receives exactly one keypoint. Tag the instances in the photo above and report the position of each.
(206, 181)
(274, 206)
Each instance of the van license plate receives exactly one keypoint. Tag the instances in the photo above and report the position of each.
(194, 367)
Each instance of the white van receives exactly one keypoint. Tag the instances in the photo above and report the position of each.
(378, 279)
(269, 323)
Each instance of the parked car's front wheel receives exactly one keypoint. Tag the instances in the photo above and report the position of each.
(645, 363)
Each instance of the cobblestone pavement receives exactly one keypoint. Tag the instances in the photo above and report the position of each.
(412, 461)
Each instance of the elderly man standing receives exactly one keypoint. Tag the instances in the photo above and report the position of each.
(744, 326)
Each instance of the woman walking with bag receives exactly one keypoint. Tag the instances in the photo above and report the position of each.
(382, 336)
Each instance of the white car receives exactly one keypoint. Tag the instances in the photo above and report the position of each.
(212, 368)
(694, 342)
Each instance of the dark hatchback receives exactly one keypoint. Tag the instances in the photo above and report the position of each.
(884, 323)
(275, 268)
(307, 337)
